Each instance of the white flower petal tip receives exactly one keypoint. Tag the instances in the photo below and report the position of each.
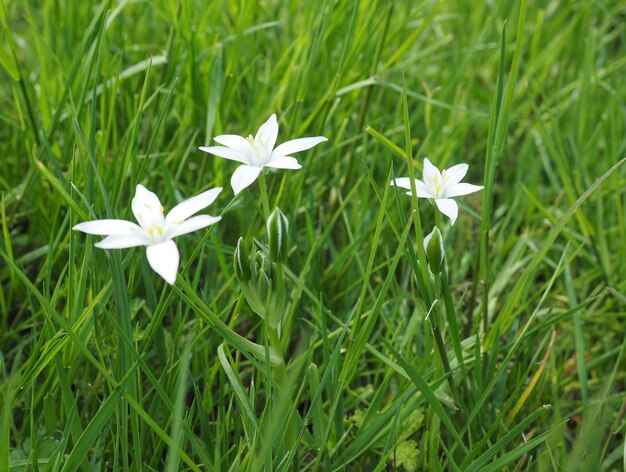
(194, 223)
(107, 227)
(164, 258)
(258, 151)
(285, 162)
(227, 153)
(405, 183)
(122, 241)
(193, 205)
(297, 145)
(441, 186)
(243, 177)
(154, 229)
(448, 207)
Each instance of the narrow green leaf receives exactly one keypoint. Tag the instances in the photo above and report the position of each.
(429, 395)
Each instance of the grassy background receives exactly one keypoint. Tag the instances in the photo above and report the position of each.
(105, 367)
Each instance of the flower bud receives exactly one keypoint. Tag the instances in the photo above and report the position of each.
(278, 304)
(241, 259)
(262, 270)
(433, 245)
(262, 284)
(277, 234)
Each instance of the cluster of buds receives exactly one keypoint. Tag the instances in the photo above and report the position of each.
(261, 275)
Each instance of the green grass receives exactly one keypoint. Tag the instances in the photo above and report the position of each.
(104, 366)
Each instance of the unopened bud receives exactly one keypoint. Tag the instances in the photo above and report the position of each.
(262, 271)
(433, 245)
(277, 234)
(241, 259)
(262, 283)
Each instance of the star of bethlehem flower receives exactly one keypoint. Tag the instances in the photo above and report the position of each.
(258, 152)
(441, 186)
(155, 230)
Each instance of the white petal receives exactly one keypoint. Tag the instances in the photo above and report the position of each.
(146, 206)
(448, 207)
(427, 240)
(233, 141)
(193, 224)
(297, 145)
(267, 134)
(107, 227)
(420, 188)
(402, 182)
(243, 177)
(185, 209)
(226, 153)
(121, 241)
(163, 258)
(462, 189)
(456, 173)
(430, 171)
(284, 162)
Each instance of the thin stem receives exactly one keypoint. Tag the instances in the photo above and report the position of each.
(29, 109)
(437, 217)
(452, 317)
(264, 198)
(444, 356)
(275, 344)
(437, 286)
(437, 320)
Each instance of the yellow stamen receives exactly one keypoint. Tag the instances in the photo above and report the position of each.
(158, 228)
(252, 142)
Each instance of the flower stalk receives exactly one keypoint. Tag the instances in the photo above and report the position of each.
(437, 321)
(264, 196)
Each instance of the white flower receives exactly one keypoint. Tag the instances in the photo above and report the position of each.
(154, 230)
(441, 186)
(258, 152)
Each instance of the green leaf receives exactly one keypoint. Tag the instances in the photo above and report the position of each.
(406, 455)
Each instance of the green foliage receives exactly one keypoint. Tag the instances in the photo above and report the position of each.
(512, 357)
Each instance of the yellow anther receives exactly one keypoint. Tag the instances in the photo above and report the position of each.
(253, 143)
(158, 228)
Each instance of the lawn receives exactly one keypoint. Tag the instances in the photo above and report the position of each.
(304, 325)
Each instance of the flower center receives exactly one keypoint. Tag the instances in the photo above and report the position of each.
(438, 183)
(152, 221)
(254, 145)
(152, 230)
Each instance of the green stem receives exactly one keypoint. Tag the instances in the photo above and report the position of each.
(276, 346)
(452, 318)
(437, 286)
(444, 357)
(29, 109)
(441, 347)
(437, 217)
(190, 296)
(264, 198)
